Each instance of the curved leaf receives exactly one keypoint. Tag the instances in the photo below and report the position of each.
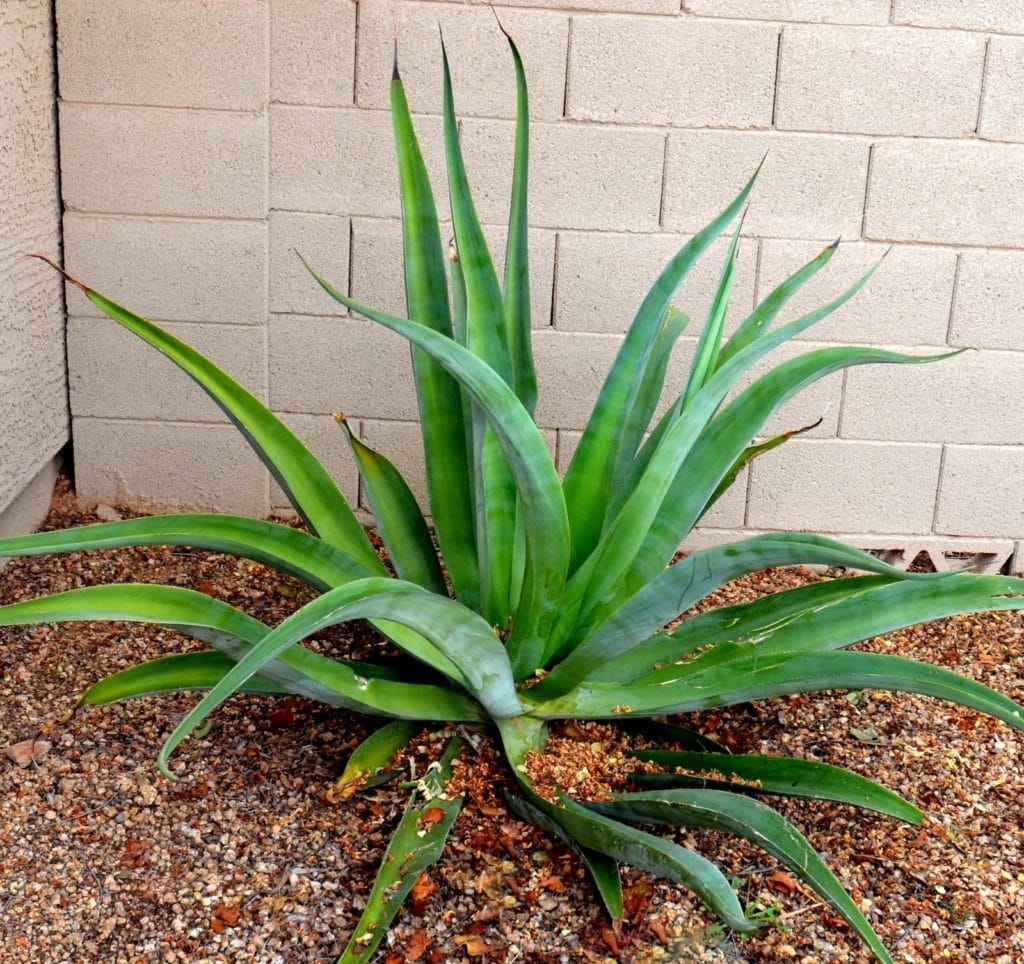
(280, 547)
(744, 622)
(749, 676)
(304, 480)
(460, 638)
(755, 822)
(784, 776)
(183, 671)
(363, 687)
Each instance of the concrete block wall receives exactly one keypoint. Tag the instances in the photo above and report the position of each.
(33, 396)
(202, 142)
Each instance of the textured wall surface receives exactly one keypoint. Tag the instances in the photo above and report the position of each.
(33, 395)
(201, 142)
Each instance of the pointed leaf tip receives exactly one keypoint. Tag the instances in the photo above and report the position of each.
(56, 267)
(394, 61)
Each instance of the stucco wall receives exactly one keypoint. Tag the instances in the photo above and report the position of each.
(201, 142)
(33, 395)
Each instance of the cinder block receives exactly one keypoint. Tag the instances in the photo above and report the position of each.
(989, 306)
(802, 11)
(168, 465)
(571, 368)
(145, 384)
(603, 279)
(906, 301)
(973, 398)
(604, 178)
(870, 81)
(967, 14)
(811, 186)
(178, 162)
(958, 192)
(378, 276)
(323, 240)
(1002, 110)
(169, 270)
(946, 553)
(323, 365)
(313, 49)
(402, 444)
(980, 491)
(325, 438)
(703, 74)
(834, 485)
(170, 54)
(342, 161)
(482, 72)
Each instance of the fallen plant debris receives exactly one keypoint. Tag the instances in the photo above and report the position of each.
(102, 860)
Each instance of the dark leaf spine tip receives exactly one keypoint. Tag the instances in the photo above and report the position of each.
(834, 244)
(56, 267)
(394, 62)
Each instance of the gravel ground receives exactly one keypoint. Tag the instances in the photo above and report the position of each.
(246, 859)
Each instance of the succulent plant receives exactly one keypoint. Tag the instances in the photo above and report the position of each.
(544, 599)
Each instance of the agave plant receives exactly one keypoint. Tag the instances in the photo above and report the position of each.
(544, 599)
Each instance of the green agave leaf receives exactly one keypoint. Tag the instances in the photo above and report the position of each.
(612, 633)
(416, 845)
(459, 638)
(604, 871)
(488, 339)
(440, 399)
(765, 313)
(183, 671)
(363, 687)
(750, 676)
(884, 608)
(693, 458)
(540, 494)
(648, 852)
(588, 480)
(784, 776)
(373, 755)
(745, 622)
(517, 264)
(280, 547)
(399, 519)
(709, 345)
(755, 822)
(648, 396)
(304, 480)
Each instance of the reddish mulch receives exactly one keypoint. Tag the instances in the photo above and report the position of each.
(247, 860)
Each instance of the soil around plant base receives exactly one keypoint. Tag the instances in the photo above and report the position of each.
(247, 859)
